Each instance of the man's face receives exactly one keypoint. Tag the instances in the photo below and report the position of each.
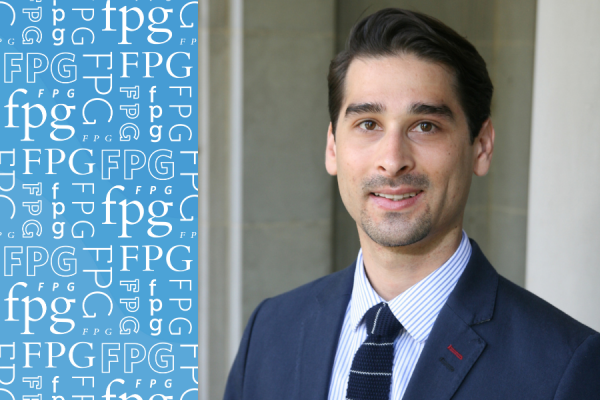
(402, 151)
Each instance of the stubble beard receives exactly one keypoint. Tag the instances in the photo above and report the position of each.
(397, 229)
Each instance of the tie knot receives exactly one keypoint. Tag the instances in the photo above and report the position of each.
(382, 322)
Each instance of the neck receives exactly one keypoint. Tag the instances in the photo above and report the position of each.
(392, 270)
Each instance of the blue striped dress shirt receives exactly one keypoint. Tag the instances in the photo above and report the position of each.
(417, 309)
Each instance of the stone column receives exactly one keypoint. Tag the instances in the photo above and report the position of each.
(563, 257)
(265, 199)
(288, 45)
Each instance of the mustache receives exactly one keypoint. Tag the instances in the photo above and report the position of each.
(418, 181)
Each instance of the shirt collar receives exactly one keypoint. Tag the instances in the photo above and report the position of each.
(418, 307)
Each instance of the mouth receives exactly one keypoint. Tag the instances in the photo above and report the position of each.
(396, 202)
(397, 197)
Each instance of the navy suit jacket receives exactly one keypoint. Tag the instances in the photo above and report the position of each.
(513, 344)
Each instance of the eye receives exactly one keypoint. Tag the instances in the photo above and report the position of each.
(368, 125)
(425, 127)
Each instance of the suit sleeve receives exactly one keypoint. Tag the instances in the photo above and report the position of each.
(235, 382)
(581, 379)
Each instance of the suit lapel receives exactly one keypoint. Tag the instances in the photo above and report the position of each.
(453, 346)
(451, 350)
(320, 335)
(440, 370)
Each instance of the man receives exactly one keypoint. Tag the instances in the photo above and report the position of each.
(421, 314)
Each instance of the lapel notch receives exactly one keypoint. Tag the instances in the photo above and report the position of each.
(449, 354)
(453, 346)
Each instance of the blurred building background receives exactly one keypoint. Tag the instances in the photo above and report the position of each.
(271, 218)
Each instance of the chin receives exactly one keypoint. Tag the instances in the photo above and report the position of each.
(395, 231)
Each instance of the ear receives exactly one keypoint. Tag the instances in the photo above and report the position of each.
(330, 153)
(483, 147)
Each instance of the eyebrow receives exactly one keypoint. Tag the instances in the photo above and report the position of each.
(415, 109)
(364, 108)
(431, 109)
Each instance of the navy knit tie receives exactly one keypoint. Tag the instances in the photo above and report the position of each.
(371, 371)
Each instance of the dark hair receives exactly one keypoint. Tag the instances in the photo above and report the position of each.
(392, 32)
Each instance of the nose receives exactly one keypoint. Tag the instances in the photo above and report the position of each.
(395, 155)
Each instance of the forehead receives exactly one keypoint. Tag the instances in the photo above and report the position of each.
(398, 81)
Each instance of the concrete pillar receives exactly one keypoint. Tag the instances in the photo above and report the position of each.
(265, 199)
(563, 255)
(214, 352)
(287, 193)
(511, 68)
